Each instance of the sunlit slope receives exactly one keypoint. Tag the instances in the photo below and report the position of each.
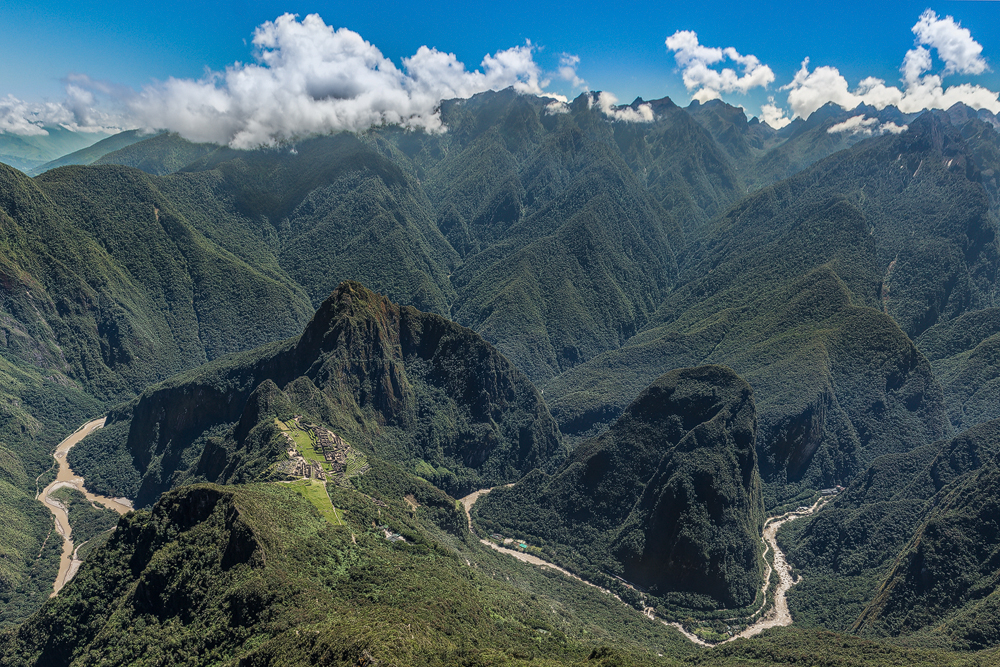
(94, 152)
(163, 153)
(101, 295)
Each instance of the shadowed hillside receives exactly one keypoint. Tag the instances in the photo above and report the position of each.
(669, 497)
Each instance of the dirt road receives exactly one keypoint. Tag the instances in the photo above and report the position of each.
(68, 563)
(777, 616)
(470, 500)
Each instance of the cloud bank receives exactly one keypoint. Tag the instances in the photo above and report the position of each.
(866, 126)
(695, 62)
(308, 78)
(922, 89)
(607, 103)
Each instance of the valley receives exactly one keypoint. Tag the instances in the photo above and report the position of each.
(772, 613)
(69, 562)
(331, 369)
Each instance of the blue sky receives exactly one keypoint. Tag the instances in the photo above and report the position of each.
(620, 45)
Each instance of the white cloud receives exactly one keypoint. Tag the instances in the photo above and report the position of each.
(695, 61)
(953, 44)
(866, 126)
(308, 78)
(567, 70)
(607, 103)
(856, 125)
(18, 117)
(809, 91)
(78, 112)
(556, 106)
(773, 115)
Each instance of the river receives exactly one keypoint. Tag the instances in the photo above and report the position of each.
(68, 562)
(778, 615)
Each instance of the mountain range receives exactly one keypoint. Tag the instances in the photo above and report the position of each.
(646, 338)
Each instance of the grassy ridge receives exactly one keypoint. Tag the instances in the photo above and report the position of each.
(352, 593)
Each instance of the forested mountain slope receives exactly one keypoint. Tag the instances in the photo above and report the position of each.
(800, 288)
(290, 587)
(92, 153)
(669, 497)
(847, 277)
(909, 547)
(404, 385)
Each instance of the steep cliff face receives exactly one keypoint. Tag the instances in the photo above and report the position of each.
(697, 525)
(408, 386)
(669, 496)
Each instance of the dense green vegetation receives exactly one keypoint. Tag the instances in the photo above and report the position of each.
(668, 497)
(404, 385)
(287, 587)
(161, 154)
(906, 549)
(92, 153)
(963, 355)
(849, 282)
(802, 288)
(87, 519)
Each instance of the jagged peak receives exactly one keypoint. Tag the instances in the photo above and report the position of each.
(350, 300)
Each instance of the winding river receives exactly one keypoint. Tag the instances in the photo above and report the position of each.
(68, 562)
(777, 616)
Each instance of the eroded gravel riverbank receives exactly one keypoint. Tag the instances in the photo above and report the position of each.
(68, 563)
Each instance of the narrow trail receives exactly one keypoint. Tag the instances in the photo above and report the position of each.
(777, 616)
(68, 562)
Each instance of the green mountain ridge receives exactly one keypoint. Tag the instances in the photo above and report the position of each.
(27, 152)
(407, 386)
(92, 153)
(669, 496)
(848, 280)
(827, 240)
